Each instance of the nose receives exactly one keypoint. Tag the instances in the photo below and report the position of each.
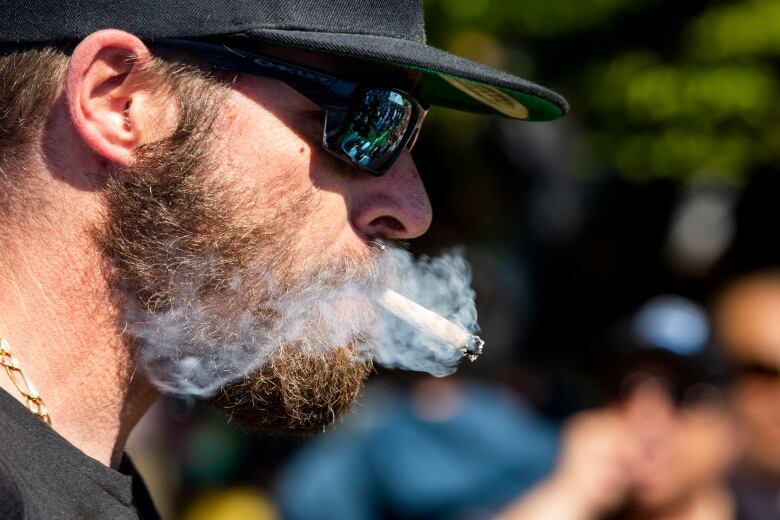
(650, 408)
(393, 206)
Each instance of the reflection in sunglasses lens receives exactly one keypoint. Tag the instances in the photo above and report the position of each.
(376, 128)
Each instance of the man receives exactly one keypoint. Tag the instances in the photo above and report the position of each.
(198, 199)
(746, 326)
(664, 447)
(644, 460)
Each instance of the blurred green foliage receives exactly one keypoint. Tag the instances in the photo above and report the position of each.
(535, 18)
(742, 29)
(659, 88)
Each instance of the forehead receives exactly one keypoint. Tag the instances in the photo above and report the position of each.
(353, 69)
(748, 317)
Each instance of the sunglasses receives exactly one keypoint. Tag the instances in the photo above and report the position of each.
(682, 394)
(757, 370)
(366, 126)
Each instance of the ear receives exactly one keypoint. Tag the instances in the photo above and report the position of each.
(105, 98)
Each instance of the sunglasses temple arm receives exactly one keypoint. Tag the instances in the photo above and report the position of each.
(312, 83)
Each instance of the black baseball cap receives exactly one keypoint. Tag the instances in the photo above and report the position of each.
(386, 31)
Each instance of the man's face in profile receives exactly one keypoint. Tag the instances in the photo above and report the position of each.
(246, 233)
(746, 319)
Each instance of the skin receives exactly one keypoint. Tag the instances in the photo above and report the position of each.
(644, 458)
(746, 319)
(686, 455)
(55, 307)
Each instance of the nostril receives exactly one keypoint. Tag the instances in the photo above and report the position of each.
(387, 223)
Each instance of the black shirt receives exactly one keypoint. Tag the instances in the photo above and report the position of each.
(43, 476)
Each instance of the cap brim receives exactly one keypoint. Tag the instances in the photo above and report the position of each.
(447, 80)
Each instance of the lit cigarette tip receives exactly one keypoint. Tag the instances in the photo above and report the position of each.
(473, 349)
(413, 313)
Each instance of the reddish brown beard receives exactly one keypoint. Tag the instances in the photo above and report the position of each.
(164, 216)
(296, 393)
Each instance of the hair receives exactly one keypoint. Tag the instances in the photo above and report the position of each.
(31, 80)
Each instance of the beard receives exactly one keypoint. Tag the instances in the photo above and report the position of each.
(227, 309)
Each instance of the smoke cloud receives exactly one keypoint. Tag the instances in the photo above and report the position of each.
(205, 340)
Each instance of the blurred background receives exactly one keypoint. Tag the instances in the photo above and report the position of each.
(601, 246)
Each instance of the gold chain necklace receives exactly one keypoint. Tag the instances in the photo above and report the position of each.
(32, 399)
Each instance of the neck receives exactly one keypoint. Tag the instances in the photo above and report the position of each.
(62, 325)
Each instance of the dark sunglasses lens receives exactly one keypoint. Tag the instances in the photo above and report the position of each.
(758, 370)
(374, 130)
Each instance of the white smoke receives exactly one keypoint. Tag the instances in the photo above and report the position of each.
(442, 285)
(202, 342)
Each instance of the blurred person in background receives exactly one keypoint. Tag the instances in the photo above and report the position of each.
(436, 449)
(644, 459)
(747, 328)
(663, 451)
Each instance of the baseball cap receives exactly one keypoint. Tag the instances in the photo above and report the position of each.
(385, 31)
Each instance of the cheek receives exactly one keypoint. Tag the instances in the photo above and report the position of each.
(708, 446)
(758, 402)
(326, 228)
(263, 157)
(259, 153)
